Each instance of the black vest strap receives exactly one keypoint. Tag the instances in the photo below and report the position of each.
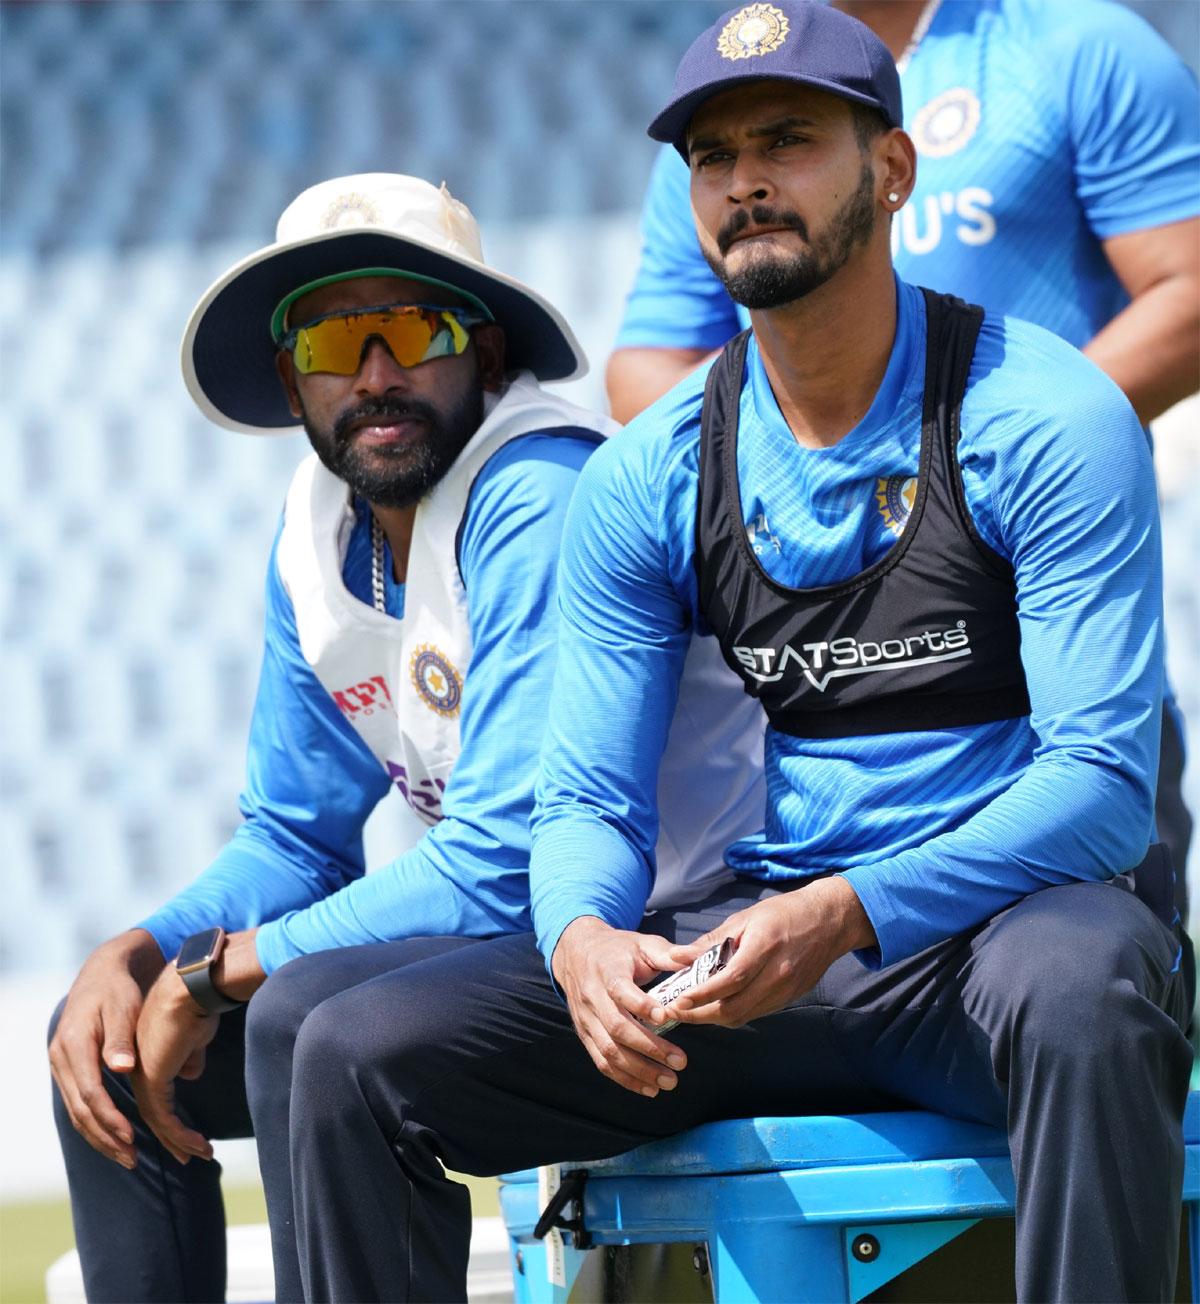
(926, 638)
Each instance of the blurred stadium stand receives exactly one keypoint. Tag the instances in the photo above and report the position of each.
(146, 146)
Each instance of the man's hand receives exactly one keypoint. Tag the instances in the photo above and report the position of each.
(97, 1028)
(784, 945)
(599, 969)
(172, 1035)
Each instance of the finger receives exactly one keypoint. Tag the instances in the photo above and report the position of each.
(181, 1141)
(683, 955)
(741, 971)
(656, 954)
(84, 1122)
(634, 1036)
(612, 1066)
(762, 995)
(157, 1103)
(637, 1007)
(119, 1019)
(650, 1069)
(621, 1016)
(75, 1057)
(627, 997)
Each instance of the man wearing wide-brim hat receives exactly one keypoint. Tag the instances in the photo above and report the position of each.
(410, 636)
(963, 687)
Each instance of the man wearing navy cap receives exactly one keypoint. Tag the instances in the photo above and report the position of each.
(1058, 181)
(963, 735)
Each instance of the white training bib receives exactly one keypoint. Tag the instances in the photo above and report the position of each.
(400, 682)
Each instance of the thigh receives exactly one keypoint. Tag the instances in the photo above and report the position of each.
(937, 1028)
(478, 1048)
(295, 989)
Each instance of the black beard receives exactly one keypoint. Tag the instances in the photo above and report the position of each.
(401, 476)
(769, 280)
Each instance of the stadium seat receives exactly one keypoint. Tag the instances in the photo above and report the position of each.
(797, 1209)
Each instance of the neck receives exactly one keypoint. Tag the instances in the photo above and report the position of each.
(893, 21)
(397, 525)
(826, 354)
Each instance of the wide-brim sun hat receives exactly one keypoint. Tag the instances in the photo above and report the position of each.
(374, 222)
(803, 41)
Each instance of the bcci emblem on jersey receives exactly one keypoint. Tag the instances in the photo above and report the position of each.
(754, 30)
(946, 123)
(895, 496)
(437, 682)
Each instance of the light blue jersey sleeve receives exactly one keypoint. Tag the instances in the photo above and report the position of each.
(289, 850)
(1133, 110)
(624, 634)
(676, 301)
(295, 865)
(1068, 497)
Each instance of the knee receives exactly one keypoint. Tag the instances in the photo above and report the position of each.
(273, 1020)
(1081, 974)
(356, 1052)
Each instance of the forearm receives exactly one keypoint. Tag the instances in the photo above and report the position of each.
(585, 868)
(637, 377)
(252, 880)
(451, 883)
(1152, 348)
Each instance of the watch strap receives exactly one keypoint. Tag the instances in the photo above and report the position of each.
(201, 988)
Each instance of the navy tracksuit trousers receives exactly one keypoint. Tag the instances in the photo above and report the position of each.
(368, 1068)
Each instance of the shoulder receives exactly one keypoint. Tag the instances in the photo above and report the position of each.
(528, 482)
(1066, 28)
(1034, 401)
(547, 458)
(1101, 53)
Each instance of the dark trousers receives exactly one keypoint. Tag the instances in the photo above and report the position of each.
(1059, 1019)
(158, 1233)
(366, 1067)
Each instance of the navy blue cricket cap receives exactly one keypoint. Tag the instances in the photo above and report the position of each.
(791, 40)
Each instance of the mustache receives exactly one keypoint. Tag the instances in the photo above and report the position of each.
(760, 215)
(393, 408)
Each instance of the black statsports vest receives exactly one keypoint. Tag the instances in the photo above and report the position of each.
(926, 638)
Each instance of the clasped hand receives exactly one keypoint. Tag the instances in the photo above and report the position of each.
(784, 945)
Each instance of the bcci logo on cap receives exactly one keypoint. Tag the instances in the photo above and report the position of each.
(757, 29)
(350, 210)
(437, 682)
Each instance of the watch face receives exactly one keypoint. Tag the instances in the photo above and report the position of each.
(197, 950)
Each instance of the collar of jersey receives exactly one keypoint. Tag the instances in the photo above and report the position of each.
(903, 382)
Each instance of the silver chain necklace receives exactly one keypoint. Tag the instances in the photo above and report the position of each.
(924, 19)
(377, 589)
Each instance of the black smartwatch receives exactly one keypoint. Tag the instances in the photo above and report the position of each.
(194, 965)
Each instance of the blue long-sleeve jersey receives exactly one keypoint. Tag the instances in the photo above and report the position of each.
(935, 830)
(295, 865)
